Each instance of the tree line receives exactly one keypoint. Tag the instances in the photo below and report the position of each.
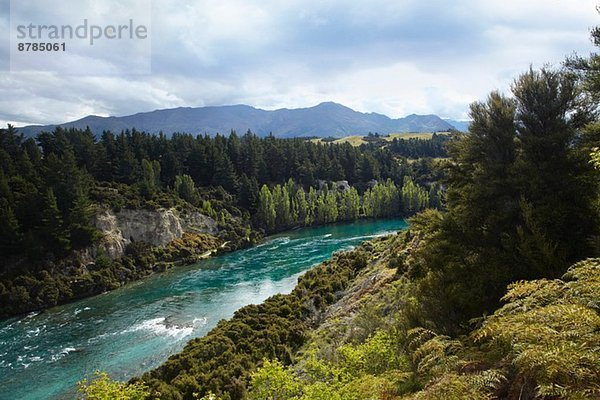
(48, 185)
(289, 205)
(414, 148)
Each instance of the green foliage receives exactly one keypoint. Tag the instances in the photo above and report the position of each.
(267, 213)
(549, 331)
(383, 200)
(150, 181)
(104, 388)
(286, 206)
(186, 189)
(420, 148)
(375, 356)
(453, 386)
(414, 198)
(595, 157)
(81, 227)
(274, 381)
(9, 235)
(223, 360)
(432, 354)
(516, 185)
(364, 371)
(52, 227)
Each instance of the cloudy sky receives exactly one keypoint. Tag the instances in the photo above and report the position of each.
(395, 57)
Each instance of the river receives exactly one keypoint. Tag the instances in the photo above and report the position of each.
(135, 328)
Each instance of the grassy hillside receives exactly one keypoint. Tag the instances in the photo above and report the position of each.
(358, 140)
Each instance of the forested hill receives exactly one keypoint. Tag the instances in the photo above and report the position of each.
(325, 119)
(56, 189)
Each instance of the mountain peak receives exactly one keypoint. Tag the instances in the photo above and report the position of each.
(325, 119)
(329, 104)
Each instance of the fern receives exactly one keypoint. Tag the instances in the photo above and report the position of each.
(432, 354)
(550, 330)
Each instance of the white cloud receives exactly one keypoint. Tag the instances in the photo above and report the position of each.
(392, 57)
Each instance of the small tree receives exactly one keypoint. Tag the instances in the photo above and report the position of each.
(104, 388)
(185, 188)
(274, 381)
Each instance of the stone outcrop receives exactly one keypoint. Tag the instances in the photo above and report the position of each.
(153, 227)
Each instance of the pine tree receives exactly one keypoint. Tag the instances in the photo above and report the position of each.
(550, 114)
(519, 205)
(248, 193)
(52, 229)
(9, 228)
(224, 174)
(150, 181)
(185, 189)
(81, 227)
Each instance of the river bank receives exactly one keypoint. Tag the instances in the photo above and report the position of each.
(135, 328)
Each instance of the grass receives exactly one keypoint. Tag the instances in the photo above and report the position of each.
(358, 140)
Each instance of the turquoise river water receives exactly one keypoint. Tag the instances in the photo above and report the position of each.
(135, 328)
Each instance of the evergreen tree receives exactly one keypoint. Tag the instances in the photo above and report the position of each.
(368, 168)
(52, 230)
(225, 174)
(81, 227)
(550, 115)
(185, 189)
(9, 228)
(519, 206)
(150, 181)
(65, 178)
(306, 173)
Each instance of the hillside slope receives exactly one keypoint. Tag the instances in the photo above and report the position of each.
(352, 330)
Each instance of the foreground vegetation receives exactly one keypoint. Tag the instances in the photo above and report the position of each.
(543, 343)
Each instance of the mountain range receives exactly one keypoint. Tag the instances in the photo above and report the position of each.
(325, 119)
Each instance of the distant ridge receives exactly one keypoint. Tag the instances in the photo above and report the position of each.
(325, 119)
(460, 125)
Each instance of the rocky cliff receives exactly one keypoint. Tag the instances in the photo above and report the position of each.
(170, 237)
(157, 228)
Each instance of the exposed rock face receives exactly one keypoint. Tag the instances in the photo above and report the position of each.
(341, 186)
(154, 227)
